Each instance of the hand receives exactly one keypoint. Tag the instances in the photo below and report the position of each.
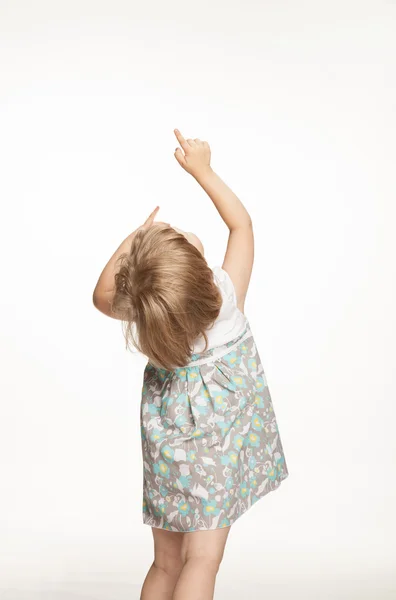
(150, 219)
(196, 157)
(147, 224)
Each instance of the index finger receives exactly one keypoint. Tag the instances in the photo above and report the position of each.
(150, 218)
(185, 145)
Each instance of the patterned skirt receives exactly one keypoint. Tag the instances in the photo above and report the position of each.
(210, 441)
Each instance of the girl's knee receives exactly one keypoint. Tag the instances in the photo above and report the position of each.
(171, 564)
(167, 551)
(206, 548)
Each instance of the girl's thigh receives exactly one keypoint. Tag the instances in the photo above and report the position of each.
(206, 544)
(167, 548)
(173, 546)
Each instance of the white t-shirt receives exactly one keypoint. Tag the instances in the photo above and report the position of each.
(231, 321)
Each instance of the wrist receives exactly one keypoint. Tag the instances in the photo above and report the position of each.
(203, 173)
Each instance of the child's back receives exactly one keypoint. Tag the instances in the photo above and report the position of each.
(210, 441)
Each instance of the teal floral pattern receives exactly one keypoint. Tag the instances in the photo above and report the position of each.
(210, 441)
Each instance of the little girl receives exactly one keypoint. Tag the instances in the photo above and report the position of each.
(210, 441)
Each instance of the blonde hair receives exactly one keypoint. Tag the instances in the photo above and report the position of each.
(165, 288)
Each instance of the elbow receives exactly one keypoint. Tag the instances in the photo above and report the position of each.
(246, 223)
(97, 299)
(103, 302)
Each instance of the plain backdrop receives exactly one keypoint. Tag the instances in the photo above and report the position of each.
(297, 101)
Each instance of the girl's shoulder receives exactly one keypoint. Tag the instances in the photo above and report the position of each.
(225, 284)
(231, 321)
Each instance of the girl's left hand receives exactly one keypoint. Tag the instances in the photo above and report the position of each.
(150, 219)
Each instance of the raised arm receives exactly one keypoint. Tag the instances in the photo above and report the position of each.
(239, 255)
(104, 290)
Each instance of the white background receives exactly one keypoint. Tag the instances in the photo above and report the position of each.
(297, 100)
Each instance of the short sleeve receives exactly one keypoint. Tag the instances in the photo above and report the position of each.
(225, 283)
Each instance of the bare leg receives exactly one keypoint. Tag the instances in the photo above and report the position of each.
(202, 553)
(162, 576)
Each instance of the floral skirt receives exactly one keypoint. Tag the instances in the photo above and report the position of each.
(210, 441)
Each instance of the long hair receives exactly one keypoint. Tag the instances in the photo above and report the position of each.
(165, 295)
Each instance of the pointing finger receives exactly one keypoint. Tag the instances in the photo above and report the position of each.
(183, 143)
(151, 217)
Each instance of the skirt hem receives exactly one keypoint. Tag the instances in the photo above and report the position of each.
(231, 521)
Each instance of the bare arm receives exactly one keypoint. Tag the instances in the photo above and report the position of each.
(239, 255)
(228, 205)
(104, 289)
